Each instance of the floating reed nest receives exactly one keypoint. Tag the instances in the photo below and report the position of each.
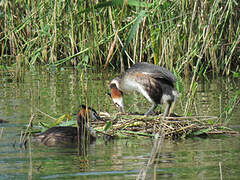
(175, 127)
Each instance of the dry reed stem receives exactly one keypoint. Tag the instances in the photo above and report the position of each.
(155, 151)
(1, 132)
(220, 170)
(45, 114)
(175, 127)
(30, 173)
(23, 135)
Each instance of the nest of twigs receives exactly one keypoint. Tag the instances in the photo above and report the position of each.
(174, 127)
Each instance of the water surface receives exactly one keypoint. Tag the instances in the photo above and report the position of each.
(63, 92)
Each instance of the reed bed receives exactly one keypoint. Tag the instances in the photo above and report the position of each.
(125, 126)
(185, 36)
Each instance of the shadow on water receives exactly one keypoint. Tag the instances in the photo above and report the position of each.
(195, 158)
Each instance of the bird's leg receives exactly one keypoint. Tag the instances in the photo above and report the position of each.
(150, 111)
(167, 110)
(121, 109)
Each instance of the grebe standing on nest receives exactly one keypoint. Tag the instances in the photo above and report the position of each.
(155, 83)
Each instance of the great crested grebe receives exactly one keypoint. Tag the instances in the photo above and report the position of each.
(3, 121)
(155, 83)
(63, 135)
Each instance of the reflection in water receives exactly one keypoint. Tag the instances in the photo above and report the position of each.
(62, 93)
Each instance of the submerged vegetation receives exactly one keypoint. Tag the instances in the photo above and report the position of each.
(186, 36)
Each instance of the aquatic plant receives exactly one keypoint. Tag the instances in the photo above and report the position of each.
(188, 36)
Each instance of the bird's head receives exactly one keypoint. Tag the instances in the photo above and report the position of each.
(86, 113)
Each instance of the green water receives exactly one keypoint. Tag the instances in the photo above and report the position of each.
(62, 93)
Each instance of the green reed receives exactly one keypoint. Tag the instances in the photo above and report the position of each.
(233, 102)
(182, 35)
(191, 38)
